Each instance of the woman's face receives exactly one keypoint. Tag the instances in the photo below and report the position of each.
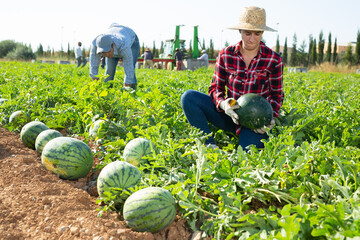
(251, 39)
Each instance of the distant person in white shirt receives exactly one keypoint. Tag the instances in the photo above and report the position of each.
(205, 57)
(79, 57)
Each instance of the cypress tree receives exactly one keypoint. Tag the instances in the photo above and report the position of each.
(313, 53)
(293, 56)
(357, 48)
(348, 57)
(328, 51)
(334, 56)
(154, 52)
(211, 49)
(321, 47)
(285, 52)
(277, 48)
(311, 42)
(40, 51)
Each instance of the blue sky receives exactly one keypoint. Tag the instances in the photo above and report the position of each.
(57, 23)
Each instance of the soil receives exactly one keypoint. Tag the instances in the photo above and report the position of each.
(36, 204)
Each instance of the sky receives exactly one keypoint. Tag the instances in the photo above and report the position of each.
(57, 24)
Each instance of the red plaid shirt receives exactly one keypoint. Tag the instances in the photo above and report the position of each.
(264, 77)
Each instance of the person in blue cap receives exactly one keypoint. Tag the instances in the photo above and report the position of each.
(118, 42)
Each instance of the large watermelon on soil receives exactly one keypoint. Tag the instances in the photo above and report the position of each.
(136, 149)
(149, 210)
(30, 131)
(254, 112)
(118, 174)
(44, 137)
(68, 157)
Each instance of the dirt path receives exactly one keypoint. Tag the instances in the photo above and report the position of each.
(36, 204)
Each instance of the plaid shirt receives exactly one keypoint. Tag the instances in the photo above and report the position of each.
(264, 76)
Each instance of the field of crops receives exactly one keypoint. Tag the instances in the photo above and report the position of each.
(303, 185)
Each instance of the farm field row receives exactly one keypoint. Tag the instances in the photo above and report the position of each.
(303, 185)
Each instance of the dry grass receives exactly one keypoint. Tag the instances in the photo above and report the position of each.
(328, 67)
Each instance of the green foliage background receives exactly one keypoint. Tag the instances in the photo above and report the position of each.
(303, 185)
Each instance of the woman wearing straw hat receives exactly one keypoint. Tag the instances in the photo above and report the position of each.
(246, 67)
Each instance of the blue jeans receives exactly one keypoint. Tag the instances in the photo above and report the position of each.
(200, 110)
(130, 57)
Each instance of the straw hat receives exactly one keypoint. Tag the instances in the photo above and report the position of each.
(253, 19)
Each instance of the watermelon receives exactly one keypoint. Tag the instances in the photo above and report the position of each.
(30, 131)
(117, 174)
(149, 210)
(2, 100)
(136, 149)
(19, 118)
(101, 128)
(254, 112)
(68, 157)
(44, 137)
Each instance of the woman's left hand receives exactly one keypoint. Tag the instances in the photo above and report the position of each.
(263, 129)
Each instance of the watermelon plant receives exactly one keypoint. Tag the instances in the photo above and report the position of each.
(149, 209)
(116, 178)
(30, 131)
(44, 137)
(304, 184)
(67, 157)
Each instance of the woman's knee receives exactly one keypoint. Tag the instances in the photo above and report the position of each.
(187, 96)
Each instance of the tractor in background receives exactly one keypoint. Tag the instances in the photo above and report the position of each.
(166, 59)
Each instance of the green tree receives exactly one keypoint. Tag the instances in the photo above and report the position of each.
(293, 56)
(154, 51)
(311, 42)
(357, 48)
(313, 53)
(302, 56)
(211, 49)
(162, 47)
(334, 55)
(40, 51)
(348, 56)
(277, 48)
(285, 52)
(142, 49)
(328, 51)
(21, 52)
(7, 46)
(321, 48)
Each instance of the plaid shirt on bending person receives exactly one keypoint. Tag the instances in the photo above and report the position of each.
(263, 77)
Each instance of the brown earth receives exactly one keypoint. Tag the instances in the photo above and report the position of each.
(36, 204)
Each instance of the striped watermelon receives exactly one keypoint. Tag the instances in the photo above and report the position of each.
(136, 149)
(68, 157)
(44, 137)
(2, 100)
(101, 128)
(30, 131)
(149, 210)
(118, 174)
(19, 118)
